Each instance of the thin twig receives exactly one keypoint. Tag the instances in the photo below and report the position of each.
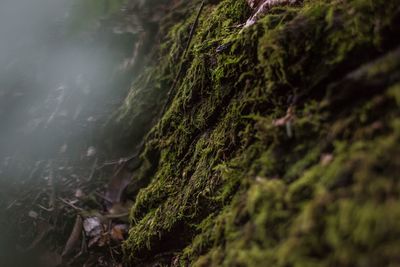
(108, 163)
(52, 197)
(93, 170)
(192, 30)
(46, 209)
(116, 216)
(102, 197)
(70, 204)
(109, 244)
(11, 204)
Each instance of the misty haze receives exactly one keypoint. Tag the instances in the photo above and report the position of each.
(60, 79)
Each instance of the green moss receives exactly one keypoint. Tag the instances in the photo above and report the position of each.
(280, 145)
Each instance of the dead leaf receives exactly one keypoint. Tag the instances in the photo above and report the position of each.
(118, 231)
(92, 226)
(74, 237)
(118, 183)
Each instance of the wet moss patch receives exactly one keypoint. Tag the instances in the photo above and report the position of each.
(280, 146)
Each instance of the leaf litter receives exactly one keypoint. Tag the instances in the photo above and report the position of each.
(60, 210)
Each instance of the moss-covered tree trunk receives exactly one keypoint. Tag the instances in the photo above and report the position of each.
(280, 146)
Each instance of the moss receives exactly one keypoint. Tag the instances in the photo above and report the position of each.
(279, 147)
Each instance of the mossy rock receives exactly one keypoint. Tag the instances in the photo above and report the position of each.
(281, 144)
